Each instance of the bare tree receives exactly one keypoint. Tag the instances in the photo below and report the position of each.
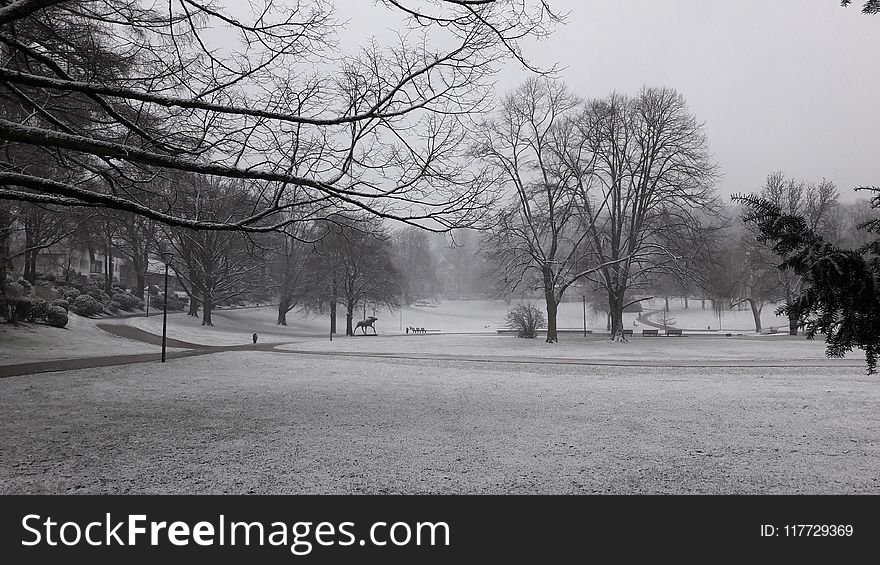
(124, 93)
(214, 265)
(352, 265)
(761, 281)
(646, 189)
(289, 259)
(536, 240)
(415, 263)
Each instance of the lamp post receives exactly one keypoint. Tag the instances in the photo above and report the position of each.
(166, 257)
(147, 281)
(584, 296)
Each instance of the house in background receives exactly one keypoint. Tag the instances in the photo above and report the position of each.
(65, 260)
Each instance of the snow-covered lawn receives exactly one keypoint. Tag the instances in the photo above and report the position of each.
(231, 327)
(697, 348)
(290, 423)
(81, 338)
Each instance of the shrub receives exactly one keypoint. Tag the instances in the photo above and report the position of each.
(22, 307)
(526, 319)
(157, 303)
(86, 305)
(27, 286)
(56, 316)
(62, 303)
(127, 301)
(98, 294)
(71, 294)
(39, 308)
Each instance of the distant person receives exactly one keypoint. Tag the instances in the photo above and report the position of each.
(255, 337)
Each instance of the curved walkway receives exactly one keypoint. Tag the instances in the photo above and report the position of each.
(137, 334)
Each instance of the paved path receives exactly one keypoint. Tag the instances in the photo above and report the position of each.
(137, 334)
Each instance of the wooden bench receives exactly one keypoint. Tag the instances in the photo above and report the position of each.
(650, 333)
(676, 332)
(627, 333)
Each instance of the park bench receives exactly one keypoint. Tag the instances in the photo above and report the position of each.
(650, 333)
(413, 330)
(676, 332)
(627, 333)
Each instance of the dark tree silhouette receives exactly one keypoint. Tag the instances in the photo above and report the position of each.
(841, 292)
(117, 94)
(869, 7)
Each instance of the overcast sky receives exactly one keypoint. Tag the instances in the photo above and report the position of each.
(791, 85)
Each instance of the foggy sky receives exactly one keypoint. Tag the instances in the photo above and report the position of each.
(789, 85)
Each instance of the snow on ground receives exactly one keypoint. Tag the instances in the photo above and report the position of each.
(296, 424)
(231, 327)
(81, 338)
(768, 349)
(235, 326)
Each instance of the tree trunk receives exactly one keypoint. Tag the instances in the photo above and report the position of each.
(793, 321)
(333, 317)
(551, 320)
(685, 302)
(550, 300)
(756, 313)
(140, 282)
(283, 309)
(207, 308)
(193, 307)
(349, 316)
(615, 309)
(666, 304)
(702, 303)
(30, 271)
(5, 221)
(108, 270)
(333, 291)
(30, 262)
(139, 266)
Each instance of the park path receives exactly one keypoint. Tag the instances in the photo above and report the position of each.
(137, 334)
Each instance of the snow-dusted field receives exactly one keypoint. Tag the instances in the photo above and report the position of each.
(465, 410)
(770, 350)
(287, 423)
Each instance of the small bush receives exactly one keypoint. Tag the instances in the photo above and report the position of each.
(71, 294)
(127, 301)
(39, 308)
(526, 319)
(56, 316)
(23, 306)
(25, 285)
(86, 305)
(62, 303)
(98, 294)
(157, 303)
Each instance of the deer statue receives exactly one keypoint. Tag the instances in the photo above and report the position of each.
(368, 323)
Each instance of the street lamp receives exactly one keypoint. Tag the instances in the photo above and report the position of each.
(166, 257)
(584, 296)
